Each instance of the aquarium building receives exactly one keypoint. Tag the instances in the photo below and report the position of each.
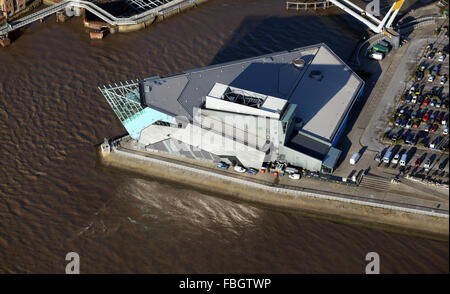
(290, 106)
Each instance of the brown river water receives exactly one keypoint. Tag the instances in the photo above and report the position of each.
(54, 198)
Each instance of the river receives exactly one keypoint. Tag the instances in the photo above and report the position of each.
(55, 199)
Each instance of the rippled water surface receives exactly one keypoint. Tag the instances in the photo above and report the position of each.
(53, 198)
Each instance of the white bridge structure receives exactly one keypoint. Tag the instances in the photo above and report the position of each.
(146, 10)
(150, 8)
(367, 18)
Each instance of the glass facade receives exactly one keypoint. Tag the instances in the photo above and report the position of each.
(125, 102)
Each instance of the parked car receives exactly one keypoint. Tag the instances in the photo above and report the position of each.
(408, 98)
(396, 158)
(420, 99)
(419, 114)
(387, 157)
(409, 124)
(443, 80)
(408, 138)
(426, 101)
(431, 55)
(432, 118)
(418, 161)
(416, 124)
(403, 123)
(404, 159)
(376, 55)
(435, 143)
(419, 75)
(239, 169)
(294, 176)
(438, 104)
(444, 119)
(435, 70)
(398, 121)
(428, 127)
(223, 165)
(414, 99)
(427, 163)
(445, 131)
(431, 78)
(414, 114)
(426, 116)
(443, 164)
(252, 171)
(379, 156)
(434, 128)
(433, 102)
(442, 57)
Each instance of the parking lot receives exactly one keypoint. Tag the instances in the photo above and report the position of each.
(391, 99)
(418, 161)
(421, 114)
(418, 125)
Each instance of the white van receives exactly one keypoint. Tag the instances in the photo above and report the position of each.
(387, 157)
(354, 159)
(403, 159)
(376, 55)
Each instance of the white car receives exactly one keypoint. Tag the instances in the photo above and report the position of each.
(294, 176)
(239, 169)
(445, 131)
(431, 78)
(442, 57)
(396, 158)
(443, 80)
(414, 99)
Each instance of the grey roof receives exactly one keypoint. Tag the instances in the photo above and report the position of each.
(270, 74)
(310, 146)
(325, 94)
(322, 105)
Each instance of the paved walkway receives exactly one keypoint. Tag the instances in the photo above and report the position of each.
(400, 196)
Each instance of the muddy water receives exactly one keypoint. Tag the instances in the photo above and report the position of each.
(53, 198)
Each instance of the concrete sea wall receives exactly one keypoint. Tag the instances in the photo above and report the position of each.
(327, 207)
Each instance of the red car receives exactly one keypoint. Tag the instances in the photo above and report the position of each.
(434, 128)
(426, 101)
(416, 124)
(426, 116)
(418, 161)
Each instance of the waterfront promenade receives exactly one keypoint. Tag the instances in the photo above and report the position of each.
(392, 211)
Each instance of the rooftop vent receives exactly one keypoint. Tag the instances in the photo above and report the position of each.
(241, 98)
(317, 75)
(298, 63)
